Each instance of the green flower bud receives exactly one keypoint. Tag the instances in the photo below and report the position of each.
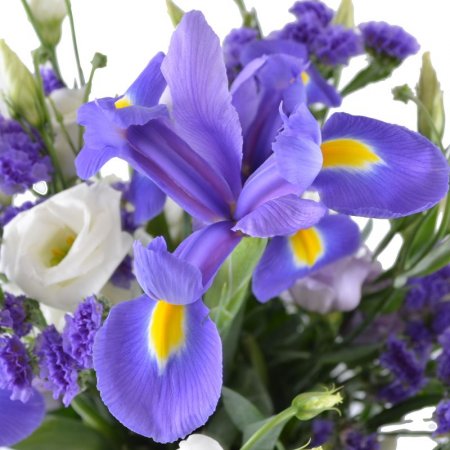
(430, 94)
(311, 404)
(403, 93)
(19, 87)
(345, 15)
(48, 15)
(175, 12)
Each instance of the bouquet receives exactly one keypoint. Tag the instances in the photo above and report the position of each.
(222, 295)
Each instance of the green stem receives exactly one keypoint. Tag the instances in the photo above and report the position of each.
(60, 121)
(93, 419)
(74, 42)
(48, 142)
(51, 50)
(280, 418)
(242, 9)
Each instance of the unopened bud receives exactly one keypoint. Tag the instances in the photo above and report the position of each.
(430, 94)
(19, 87)
(403, 93)
(311, 404)
(175, 12)
(49, 15)
(345, 15)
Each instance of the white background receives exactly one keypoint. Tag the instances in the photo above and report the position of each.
(130, 32)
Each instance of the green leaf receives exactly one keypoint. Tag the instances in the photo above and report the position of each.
(229, 289)
(175, 12)
(350, 354)
(241, 411)
(423, 234)
(58, 433)
(379, 69)
(432, 262)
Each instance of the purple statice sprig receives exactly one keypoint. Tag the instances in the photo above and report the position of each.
(22, 162)
(13, 314)
(355, 440)
(314, 10)
(80, 330)
(383, 39)
(50, 80)
(442, 418)
(15, 368)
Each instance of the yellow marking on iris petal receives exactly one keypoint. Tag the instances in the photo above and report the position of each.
(306, 246)
(348, 153)
(123, 102)
(60, 251)
(305, 77)
(166, 330)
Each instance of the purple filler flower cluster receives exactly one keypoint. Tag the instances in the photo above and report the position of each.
(330, 44)
(442, 418)
(61, 357)
(50, 80)
(15, 368)
(13, 314)
(8, 213)
(21, 161)
(389, 40)
(358, 441)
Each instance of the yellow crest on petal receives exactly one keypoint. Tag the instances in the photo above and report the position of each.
(306, 246)
(167, 330)
(123, 102)
(348, 153)
(305, 78)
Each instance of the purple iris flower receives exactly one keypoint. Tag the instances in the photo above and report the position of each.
(238, 165)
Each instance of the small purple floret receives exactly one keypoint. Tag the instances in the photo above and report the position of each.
(15, 369)
(50, 80)
(390, 40)
(442, 418)
(358, 441)
(123, 275)
(58, 370)
(322, 430)
(80, 330)
(314, 10)
(13, 315)
(8, 213)
(21, 161)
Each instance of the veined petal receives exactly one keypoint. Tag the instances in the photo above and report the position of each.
(180, 172)
(318, 90)
(17, 419)
(202, 109)
(149, 85)
(257, 97)
(281, 216)
(288, 258)
(164, 276)
(208, 248)
(147, 198)
(375, 169)
(256, 49)
(160, 382)
(104, 136)
(297, 148)
(266, 183)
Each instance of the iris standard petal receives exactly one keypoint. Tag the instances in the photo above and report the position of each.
(375, 169)
(202, 109)
(318, 90)
(147, 198)
(161, 382)
(17, 419)
(297, 148)
(281, 216)
(288, 258)
(275, 80)
(208, 248)
(166, 276)
(146, 90)
(180, 172)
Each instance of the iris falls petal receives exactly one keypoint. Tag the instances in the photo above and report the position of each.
(162, 382)
(291, 257)
(17, 419)
(375, 169)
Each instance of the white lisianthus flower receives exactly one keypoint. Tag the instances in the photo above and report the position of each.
(66, 101)
(199, 442)
(49, 15)
(335, 287)
(66, 248)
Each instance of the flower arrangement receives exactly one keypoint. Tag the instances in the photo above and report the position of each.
(222, 296)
